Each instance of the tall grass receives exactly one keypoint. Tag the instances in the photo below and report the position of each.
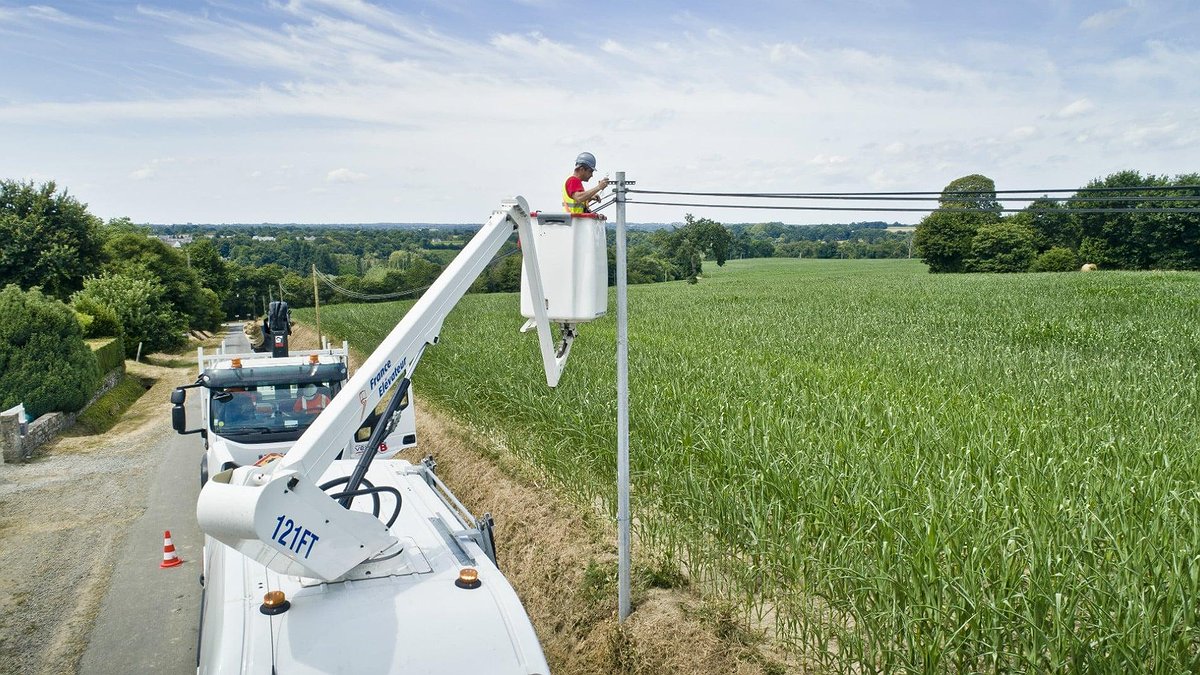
(907, 472)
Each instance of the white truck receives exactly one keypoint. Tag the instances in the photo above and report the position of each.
(315, 564)
(254, 404)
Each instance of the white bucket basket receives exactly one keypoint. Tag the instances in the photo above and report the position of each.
(572, 252)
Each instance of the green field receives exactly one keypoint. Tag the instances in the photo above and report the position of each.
(904, 471)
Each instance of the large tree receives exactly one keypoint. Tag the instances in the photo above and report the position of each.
(210, 269)
(1052, 224)
(944, 238)
(1139, 239)
(47, 238)
(132, 253)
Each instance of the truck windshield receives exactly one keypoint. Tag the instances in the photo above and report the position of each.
(268, 413)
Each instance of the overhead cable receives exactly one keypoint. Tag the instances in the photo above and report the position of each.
(899, 209)
(936, 195)
(948, 197)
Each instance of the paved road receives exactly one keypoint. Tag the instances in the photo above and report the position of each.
(149, 621)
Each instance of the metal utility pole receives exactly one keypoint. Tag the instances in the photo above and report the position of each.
(622, 410)
(317, 305)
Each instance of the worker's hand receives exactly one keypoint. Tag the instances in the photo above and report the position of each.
(603, 183)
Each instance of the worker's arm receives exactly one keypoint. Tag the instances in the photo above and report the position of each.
(585, 196)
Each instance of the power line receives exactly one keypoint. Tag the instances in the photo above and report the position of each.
(768, 195)
(775, 207)
(937, 195)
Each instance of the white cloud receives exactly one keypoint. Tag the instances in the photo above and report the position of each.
(1076, 108)
(151, 168)
(825, 160)
(1106, 19)
(344, 175)
(1022, 133)
(42, 14)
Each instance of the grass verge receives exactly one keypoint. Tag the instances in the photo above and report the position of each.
(104, 413)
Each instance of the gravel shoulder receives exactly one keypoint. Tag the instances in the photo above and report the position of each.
(64, 519)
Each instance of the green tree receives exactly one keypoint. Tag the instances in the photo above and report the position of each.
(44, 362)
(1003, 246)
(136, 254)
(97, 320)
(144, 315)
(945, 238)
(211, 270)
(1052, 224)
(1137, 238)
(47, 238)
(976, 192)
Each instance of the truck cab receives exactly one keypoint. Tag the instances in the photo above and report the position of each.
(253, 405)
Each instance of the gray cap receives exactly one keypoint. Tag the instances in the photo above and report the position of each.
(586, 159)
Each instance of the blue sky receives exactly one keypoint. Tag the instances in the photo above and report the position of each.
(354, 111)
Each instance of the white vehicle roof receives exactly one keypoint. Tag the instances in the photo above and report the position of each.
(419, 621)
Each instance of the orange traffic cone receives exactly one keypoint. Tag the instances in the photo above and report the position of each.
(169, 557)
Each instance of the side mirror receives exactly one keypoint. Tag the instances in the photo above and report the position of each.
(178, 416)
(179, 413)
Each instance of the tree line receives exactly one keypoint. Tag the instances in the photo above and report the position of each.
(1117, 222)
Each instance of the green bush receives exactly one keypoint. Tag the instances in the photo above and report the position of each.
(140, 306)
(44, 362)
(101, 320)
(1057, 259)
(110, 354)
(1002, 246)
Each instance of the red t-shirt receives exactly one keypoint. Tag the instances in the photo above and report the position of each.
(575, 184)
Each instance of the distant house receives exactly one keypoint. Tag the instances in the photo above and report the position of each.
(262, 237)
(174, 240)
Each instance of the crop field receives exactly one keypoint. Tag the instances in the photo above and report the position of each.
(897, 471)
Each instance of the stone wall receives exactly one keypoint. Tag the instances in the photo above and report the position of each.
(15, 447)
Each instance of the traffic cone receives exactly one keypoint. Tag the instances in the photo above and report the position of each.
(170, 559)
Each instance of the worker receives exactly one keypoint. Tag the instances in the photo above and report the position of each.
(312, 400)
(239, 408)
(575, 198)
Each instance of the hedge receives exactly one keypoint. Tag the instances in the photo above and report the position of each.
(104, 413)
(43, 360)
(110, 354)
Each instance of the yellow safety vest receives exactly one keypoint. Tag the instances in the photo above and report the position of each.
(570, 204)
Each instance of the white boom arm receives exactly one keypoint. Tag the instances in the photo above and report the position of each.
(252, 509)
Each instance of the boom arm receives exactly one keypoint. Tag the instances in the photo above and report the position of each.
(246, 507)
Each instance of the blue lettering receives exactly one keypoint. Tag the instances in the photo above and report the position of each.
(302, 538)
(391, 379)
(382, 371)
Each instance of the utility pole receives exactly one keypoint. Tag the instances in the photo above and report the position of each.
(623, 556)
(317, 304)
